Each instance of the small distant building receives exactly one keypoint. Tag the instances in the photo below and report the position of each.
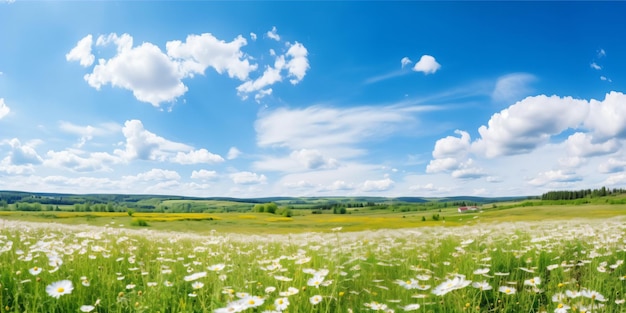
(466, 209)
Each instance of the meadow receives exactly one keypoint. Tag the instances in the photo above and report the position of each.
(494, 261)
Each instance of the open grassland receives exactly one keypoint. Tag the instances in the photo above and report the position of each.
(561, 265)
(303, 221)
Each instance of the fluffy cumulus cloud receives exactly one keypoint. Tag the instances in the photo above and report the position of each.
(427, 65)
(197, 157)
(273, 34)
(248, 178)
(150, 74)
(512, 87)
(142, 144)
(612, 165)
(200, 52)
(4, 109)
(204, 175)
(377, 185)
(313, 159)
(82, 52)
(79, 161)
(21, 158)
(607, 118)
(233, 153)
(529, 123)
(563, 135)
(582, 145)
(156, 76)
(293, 64)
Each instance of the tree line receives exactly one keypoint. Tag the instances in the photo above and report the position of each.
(580, 194)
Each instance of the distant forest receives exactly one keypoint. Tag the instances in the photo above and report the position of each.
(580, 194)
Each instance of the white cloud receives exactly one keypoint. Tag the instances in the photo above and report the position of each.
(313, 159)
(262, 94)
(595, 66)
(327, 128)
(377, 185)
(22, 154)
(248, 178)
(468, 173)
(405, 61)
(427, 65)
(298, 63)
(607, 118)
(582, 145)
(199, 52)
(601, 53)
(74, 161)
(154, 174)
(438, 165)
(452, 146)
(145, 70)
(612, 165)
(339, 185)
(4, 109)
(253, 36)
(512, 87)
(302, 184)
(270, 76)
(273, 34)
(529, 123)
(204, 175)
(144, 145)
(87, 133)
(82, 52)
(233, 153)
(197, 157)
(617, 179)
(604, 78)
(554, 176)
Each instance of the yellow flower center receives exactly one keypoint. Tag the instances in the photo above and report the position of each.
(507, 290)
(560, 285)
(560, 305)
(532, 281)
(35, 268)
(60, 289)
(250, 302)
(408, 282)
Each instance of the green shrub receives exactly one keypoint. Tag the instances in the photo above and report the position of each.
(139, 222)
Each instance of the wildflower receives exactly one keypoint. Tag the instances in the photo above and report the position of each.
(168, 283)
(409, 284)
(151, 284)
(619, 301)
(59, 288)
(508, 290)
(130, 286)
(87, 308)
(481, 271)
(253, 301)
(216, 267)
(483, 285)
(290, 292)
(457, 282)
(195, 276)
(35, 270)
(561, 308)
(315, 281)
(533, 281)
(593, 295)
(315, 299)
(270, 289)
(197, 285)
(410, 307)
(281, 304)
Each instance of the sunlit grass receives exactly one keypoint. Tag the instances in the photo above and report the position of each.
(544, 266)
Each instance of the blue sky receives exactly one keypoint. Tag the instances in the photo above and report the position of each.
(312, 98)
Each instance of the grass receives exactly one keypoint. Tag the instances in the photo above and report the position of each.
(304, 221)
(545, 266)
